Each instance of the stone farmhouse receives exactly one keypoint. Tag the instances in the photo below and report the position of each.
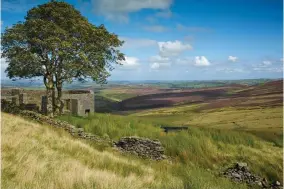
(76, 102)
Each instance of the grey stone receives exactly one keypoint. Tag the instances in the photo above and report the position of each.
(143, 147)
(277, 183)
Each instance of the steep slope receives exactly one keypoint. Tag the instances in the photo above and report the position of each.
(39, 156)
(36, 156)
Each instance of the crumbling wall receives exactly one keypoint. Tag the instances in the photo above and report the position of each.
(82, 102)
(240, 173)
(142, 147)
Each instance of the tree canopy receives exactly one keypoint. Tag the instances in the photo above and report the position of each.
(56, 42)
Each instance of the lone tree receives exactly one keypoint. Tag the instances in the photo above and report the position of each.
(57, 43)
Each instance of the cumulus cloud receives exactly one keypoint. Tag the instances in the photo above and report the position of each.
(266, 66)
(155, 28)
(282, 60)
(232, 58)
(156, 65)
(129, 63)
(201, 61)
(119, 9)
(159, 62)
(172, 48)
(137, 42)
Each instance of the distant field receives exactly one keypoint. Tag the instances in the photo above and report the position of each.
(264, 122)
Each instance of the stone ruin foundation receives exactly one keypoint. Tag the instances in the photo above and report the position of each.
(142, 147)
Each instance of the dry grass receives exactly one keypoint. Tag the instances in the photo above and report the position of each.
(39, 156)
(35, 156)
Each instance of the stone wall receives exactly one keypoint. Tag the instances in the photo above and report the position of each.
(240, 173)
(142, 147)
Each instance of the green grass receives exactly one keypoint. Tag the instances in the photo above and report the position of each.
(207, 148)
(39, 156)
(266, 123)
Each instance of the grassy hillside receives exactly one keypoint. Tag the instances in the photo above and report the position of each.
(266, 122)
(39, 156)
(206, 148)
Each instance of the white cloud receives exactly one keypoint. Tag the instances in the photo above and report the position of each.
(181, 27)
(137, 42)
(266, 66)
(172, 48)
(156, 65)
(201, 61)
(232, 58)
(158, 58)
(263, 69)
(159, 62)
(282, 60)
(266, 63)
(129, 63)
(185, 61)
(119, 9)
(155, 28)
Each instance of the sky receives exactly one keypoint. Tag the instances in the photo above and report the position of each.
(183, 39)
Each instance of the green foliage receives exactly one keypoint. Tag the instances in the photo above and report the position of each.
(55, 41)
(56, 38)
(207, 148)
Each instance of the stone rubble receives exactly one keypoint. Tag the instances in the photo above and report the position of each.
(142, 147)
(240, 173)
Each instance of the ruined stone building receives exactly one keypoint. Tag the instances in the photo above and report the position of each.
(76, 102)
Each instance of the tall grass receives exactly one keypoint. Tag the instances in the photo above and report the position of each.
(38, 156)
(207, 148)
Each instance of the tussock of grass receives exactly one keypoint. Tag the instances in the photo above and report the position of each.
(207, 148)
(39, 156)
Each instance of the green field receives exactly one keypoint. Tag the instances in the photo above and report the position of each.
(39, 156)
(203, 147)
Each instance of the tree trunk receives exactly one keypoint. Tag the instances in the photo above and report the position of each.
(49, 106)
(60, 103)
(50, 95)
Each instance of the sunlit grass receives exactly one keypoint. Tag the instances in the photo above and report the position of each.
(207, 148)
(39, 156)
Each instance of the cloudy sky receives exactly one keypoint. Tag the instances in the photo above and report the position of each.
(183, 39)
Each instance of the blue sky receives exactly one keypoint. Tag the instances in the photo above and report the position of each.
(183, 40)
